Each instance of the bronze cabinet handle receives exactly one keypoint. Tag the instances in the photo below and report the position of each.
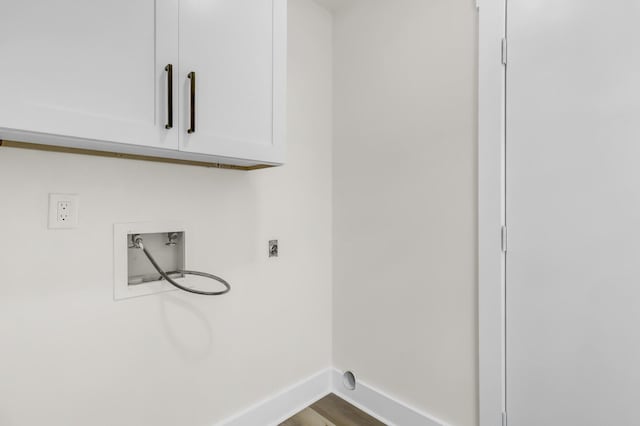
(169, 70)
(192, 102)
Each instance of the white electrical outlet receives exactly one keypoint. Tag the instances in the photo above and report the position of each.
(63, 211)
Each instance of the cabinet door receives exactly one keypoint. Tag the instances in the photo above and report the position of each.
(237, 51)
(90, 69)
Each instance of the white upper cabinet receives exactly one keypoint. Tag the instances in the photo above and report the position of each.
(90, 69)
(235, 51)
(94, 74)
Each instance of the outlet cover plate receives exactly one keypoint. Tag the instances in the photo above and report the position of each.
(63, 211)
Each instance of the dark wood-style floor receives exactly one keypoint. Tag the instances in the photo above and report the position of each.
(332, 411)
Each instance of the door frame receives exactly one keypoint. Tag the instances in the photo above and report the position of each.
(491, 212)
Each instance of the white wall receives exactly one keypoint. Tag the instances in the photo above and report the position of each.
(405, 201)
(70, 355)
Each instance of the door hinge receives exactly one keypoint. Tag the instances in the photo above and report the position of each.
(503, 239)
(504, 51)
(478, 4)
(504, 419)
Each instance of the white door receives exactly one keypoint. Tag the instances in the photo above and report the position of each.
(573, 213)
(235, 51)
(92, 69)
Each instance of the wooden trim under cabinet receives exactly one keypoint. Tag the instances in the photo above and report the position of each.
(82, 151)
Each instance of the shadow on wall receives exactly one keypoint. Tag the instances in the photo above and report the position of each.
(187, 329)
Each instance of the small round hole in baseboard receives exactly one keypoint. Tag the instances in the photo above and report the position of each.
(349, 380)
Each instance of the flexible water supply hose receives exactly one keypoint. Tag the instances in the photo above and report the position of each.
(138, 244)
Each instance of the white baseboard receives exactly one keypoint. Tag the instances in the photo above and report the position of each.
(385, 408)
(285, 403)
(293, 399)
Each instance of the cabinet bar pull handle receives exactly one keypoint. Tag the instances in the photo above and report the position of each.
(192, 127)
(169, 70)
